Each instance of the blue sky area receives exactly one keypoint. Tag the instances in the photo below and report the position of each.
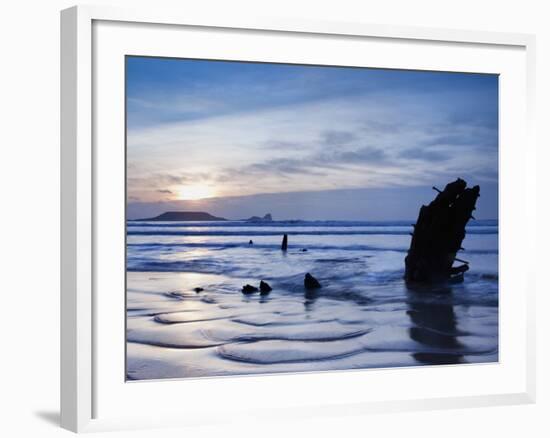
(239, 139)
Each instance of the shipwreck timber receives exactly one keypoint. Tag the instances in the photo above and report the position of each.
(438, 235)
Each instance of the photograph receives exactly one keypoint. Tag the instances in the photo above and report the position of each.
(291, 218)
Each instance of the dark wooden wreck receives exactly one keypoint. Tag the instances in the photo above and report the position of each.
(438, 235)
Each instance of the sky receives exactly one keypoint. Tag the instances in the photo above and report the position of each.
(238, 139)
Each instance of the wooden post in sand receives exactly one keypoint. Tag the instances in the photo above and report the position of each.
(284, 245)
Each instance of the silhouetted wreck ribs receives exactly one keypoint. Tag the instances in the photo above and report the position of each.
(438, 235)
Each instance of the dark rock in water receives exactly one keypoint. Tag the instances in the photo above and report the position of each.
(303, 250)
(198, 289)
(264, 288)
(248, 289)
(284, 245)
(310, 282)
(250, 242)
(438, 235)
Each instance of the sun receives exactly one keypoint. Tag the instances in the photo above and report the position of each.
(195, 192)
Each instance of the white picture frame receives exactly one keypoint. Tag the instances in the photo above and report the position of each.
(90, 401)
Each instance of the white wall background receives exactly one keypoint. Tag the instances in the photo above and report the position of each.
(29, 215)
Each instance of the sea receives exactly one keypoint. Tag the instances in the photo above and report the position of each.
(363, 316)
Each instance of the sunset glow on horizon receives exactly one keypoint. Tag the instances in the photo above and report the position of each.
(195, 192)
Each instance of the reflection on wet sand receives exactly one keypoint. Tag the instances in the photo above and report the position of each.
(310, 297)
(434, 325)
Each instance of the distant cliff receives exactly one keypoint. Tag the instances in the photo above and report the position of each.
(266, 218)
(185, 216)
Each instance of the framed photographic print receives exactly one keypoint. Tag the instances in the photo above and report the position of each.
(252, 209)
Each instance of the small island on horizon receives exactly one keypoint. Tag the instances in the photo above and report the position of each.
(184, 216)
(199, 216)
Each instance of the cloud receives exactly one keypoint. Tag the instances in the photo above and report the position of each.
(337, 138)
(283, 145)
(313, 164)
(421, 154)
(365, 155)
(168, 192)
(283, 166)
(156, 180)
